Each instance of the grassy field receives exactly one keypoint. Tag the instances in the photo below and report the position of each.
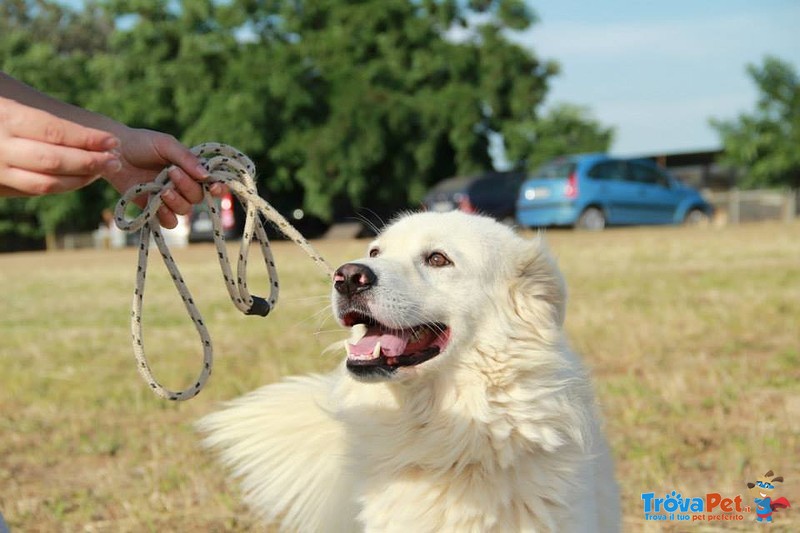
(693, 337)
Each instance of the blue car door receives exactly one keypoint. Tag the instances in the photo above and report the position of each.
(656, 198)
(609, 189)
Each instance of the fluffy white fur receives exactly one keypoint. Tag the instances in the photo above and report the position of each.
(497, 433)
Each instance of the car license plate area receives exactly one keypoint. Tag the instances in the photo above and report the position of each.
(541, 192)
(441, 207)
(202, 224)
(537, 193)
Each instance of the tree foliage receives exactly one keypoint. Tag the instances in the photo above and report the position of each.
(565, 129)
(341, 103)
(764, 143)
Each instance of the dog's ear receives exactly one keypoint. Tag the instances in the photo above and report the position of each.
(538, 293)
(779, 479)
(770, 473)
(751, 485)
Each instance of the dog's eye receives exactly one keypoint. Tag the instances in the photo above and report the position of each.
(374, 252)
(437, 259)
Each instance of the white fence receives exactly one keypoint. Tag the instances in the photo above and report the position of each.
(735, 206)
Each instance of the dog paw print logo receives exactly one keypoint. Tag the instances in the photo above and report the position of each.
(761, 491)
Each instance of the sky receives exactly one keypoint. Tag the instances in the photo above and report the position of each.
(658, 70)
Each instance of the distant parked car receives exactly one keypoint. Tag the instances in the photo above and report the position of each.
(232, 219)
(595, 191)
(493, 194)
(200, 225)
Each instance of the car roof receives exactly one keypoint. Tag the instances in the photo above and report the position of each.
(581, 158)
(598, 156)
(590, 158)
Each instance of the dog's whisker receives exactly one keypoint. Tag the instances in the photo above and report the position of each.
(319, 314)
(368, 223)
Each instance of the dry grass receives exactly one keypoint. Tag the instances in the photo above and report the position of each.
(693, 337)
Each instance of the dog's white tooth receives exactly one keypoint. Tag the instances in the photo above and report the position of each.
(376, 352)
(357, 333)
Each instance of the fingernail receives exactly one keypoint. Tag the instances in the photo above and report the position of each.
(112, 165)
(215, 189)
(201, 170)
(169, 194)
(111, 143)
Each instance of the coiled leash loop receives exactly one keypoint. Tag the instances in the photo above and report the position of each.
(227, 165)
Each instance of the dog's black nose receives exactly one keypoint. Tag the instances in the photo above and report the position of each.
(351, 278)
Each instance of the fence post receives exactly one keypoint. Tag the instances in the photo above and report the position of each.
(733, 206)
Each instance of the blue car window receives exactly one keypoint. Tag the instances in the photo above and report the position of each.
(646, 174)
(554, 169)
(607, 171)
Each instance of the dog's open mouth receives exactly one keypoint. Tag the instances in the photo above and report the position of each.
(373, 346)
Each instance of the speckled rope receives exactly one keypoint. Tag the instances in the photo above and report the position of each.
(231, 167)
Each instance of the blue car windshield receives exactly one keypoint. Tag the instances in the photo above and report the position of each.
(554, 169)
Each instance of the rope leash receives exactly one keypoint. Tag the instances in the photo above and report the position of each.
(227, 165)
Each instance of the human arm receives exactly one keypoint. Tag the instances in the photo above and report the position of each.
(49, 146)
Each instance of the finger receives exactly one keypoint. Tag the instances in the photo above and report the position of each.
(218, 189)
(175, 202)
(166, 217)
(37, 156)
(185, 186)
(29, 183)
(35, 124)
(173, 151)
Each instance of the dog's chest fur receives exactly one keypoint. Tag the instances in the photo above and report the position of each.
(507, 455)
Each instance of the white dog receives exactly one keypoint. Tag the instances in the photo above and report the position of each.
(459, 406)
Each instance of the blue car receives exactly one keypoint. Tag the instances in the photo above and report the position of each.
(593, 191)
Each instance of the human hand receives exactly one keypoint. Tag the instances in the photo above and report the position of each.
(43, 154)
(144, 154)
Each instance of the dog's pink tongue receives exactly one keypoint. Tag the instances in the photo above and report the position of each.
(391, 344)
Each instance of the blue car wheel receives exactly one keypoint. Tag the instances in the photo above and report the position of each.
(695, 217)
(592, 219)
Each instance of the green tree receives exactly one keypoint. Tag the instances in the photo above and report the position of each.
(49, 46)
(341, 103)
(565, 129)
(764, 143)
(204, 70)
(400, 103)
